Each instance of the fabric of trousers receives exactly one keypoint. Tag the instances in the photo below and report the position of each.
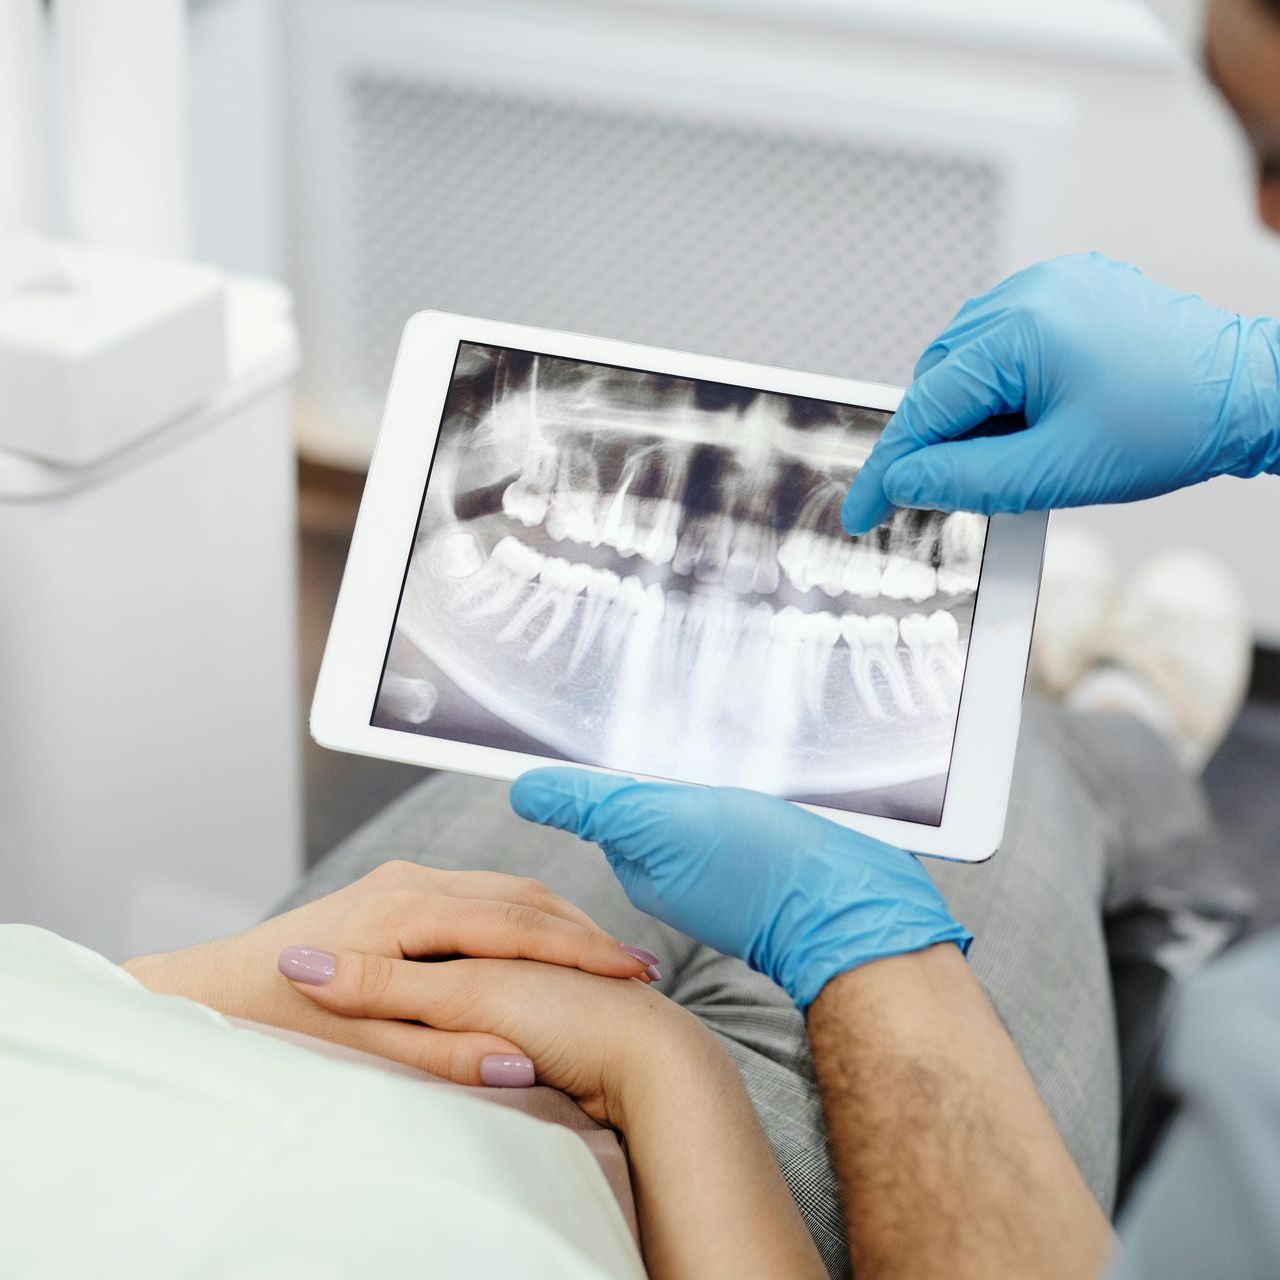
(1090, 792)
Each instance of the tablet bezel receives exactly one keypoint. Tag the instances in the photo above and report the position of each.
(991, 698)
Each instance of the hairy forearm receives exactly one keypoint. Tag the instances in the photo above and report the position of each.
(709, 1197)
(948, 1162)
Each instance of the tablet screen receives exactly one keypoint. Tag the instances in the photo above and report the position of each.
(643, 571)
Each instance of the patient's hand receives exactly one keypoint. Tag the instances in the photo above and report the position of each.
(598, 1039)
(401, 910)
(709, 1196)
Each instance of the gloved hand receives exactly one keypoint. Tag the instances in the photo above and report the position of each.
(798, 898)
(1128, 389)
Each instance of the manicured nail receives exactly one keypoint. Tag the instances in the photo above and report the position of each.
(308, 964)
(650, 961)
(506, 1071)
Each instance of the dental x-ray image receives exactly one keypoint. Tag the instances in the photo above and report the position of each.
(647, 572)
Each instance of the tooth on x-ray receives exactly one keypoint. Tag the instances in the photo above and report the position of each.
(457, 555)
(660, 584)
(410, 699)
(602, 588)
(528, 497)
(962, 540)
(500, 582)
(936, 654)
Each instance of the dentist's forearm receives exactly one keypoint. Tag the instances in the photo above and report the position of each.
(948, 1161)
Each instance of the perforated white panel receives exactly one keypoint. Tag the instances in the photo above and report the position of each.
(792, 249)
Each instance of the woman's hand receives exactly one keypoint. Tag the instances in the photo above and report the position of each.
(709, 1196)
(558, 1001)
(602, 1041)
(400, 910)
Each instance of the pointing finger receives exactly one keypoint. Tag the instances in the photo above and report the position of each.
(949, 399)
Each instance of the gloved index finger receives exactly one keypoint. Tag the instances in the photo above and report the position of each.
(970, 385)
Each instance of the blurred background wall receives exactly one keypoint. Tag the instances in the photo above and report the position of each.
(815, 183)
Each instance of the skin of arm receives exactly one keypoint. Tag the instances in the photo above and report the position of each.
(948, 1162)
(709, 1197)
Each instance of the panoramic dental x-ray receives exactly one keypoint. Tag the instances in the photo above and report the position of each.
(647, 572)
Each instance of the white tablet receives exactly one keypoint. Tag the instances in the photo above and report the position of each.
(574, 549)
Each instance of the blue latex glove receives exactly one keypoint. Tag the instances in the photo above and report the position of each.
(797, 897)
(1128, 389)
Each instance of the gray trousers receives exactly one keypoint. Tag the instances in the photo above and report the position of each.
(1090, 795)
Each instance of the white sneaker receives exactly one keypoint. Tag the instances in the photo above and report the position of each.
(1175, 651)
(1077, 593)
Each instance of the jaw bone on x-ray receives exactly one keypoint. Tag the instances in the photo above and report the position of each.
(647, 572)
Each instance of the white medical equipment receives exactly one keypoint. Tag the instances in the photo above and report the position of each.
(149, 768)
(149, 762)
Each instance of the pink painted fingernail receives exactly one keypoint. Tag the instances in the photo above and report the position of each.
(506, 1071)
(647, 957)
(308, 964)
